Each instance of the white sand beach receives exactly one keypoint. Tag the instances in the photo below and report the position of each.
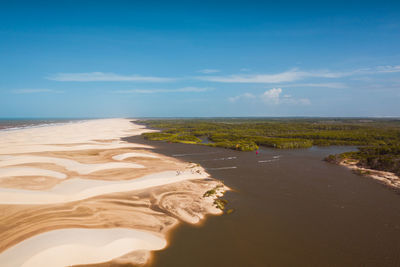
(387, 178)
(76, 194)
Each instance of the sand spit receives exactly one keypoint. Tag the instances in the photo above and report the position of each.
(387, 178)
(76, 194)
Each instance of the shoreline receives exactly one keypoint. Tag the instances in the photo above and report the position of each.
(388, 179)
(88, 178)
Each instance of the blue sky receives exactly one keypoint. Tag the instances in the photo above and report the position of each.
(199, 58)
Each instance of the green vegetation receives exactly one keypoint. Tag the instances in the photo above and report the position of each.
(378, 139)
(213, 191)
(210, 193)
(248, 134)
(378, 157)
(220, 203)
(175, 138)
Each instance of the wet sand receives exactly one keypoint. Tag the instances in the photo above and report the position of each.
(291, 209)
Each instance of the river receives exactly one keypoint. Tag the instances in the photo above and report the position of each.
(291, 208)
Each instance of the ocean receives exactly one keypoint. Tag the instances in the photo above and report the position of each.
(23, 123)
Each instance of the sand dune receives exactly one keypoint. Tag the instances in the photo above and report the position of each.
(70, 165)
(76, 194)
(30, 148)
(27, 171)
(78, 189)
(61, 248)
(133, 155)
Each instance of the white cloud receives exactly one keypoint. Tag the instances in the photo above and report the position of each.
(272, 97)
(296, 75)
(291, 75)
(34, 91)
(243, 96)
(377, 70)
(153, 91)
(208, 71)
(287, 76)
(388, 69)
(325, 85)
(104, 77)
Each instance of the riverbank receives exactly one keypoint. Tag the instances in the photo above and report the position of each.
(387, 178)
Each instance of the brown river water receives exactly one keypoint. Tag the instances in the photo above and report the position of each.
(290, 209)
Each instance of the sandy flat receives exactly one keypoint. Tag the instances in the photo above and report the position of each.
(77, 194)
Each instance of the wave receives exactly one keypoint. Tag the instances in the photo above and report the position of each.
(12, 125)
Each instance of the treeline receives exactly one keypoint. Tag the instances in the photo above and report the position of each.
(381, 158)
(249, 134)
(384, 158)
(176, 138)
